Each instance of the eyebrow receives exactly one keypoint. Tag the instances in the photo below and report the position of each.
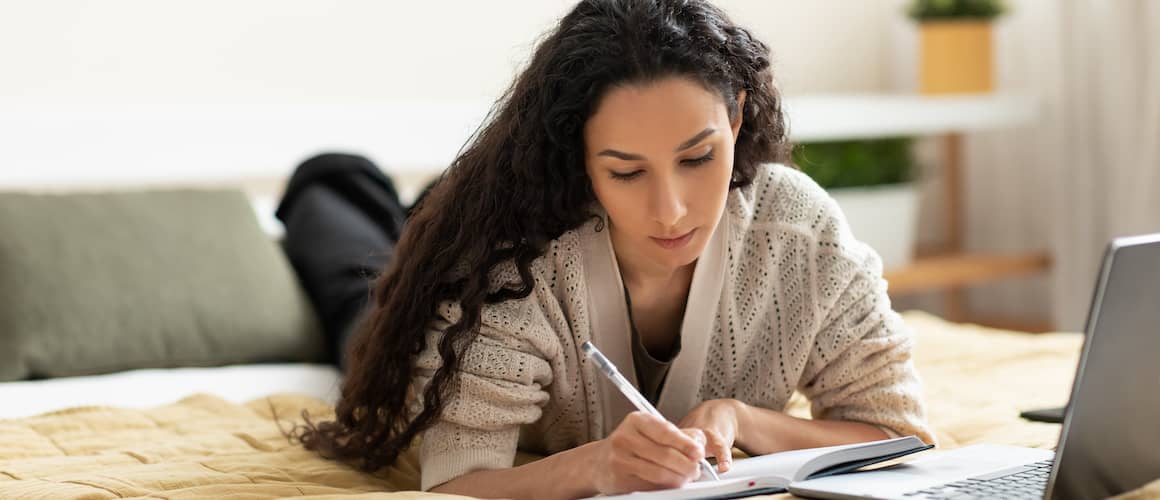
(684, 145)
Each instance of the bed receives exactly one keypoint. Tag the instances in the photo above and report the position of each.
(215, 441)
(217, 431)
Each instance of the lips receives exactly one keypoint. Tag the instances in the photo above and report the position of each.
(675, 242)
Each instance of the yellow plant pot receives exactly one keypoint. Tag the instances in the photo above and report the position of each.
(955, 57)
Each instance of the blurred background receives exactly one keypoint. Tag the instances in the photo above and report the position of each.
(988, 154)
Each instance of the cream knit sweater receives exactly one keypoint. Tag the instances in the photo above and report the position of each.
(783, 298)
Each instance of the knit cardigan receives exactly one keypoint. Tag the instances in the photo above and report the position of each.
(783, 298)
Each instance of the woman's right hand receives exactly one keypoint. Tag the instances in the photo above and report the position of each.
(647, 453)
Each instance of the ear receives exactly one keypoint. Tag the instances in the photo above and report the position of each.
(736, 124)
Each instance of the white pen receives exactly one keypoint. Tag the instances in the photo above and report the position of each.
(638, 400)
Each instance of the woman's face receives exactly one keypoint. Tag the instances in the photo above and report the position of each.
(660, 159)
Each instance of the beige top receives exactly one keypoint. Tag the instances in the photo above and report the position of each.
(782, 299)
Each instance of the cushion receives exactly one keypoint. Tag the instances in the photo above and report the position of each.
(100, 282)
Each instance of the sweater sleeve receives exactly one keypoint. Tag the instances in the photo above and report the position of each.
(501, 381)
(860, 366)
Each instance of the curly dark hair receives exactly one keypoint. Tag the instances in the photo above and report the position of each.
(520, 183)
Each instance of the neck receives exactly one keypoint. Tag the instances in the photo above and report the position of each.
(655, 279)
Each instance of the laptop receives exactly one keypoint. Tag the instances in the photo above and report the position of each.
(1110, 440)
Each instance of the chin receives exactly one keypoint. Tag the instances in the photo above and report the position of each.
(681, 257)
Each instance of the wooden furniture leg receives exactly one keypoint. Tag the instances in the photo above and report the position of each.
(955, 296)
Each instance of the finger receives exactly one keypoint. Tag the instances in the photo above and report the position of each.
(699, 437)
(662, 432)
(660, 454)
(649, 472)
(714, 446)
(720, 449)
(697, 434)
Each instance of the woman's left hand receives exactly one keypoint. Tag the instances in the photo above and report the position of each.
(717, 422)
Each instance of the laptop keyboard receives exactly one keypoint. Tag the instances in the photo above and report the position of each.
(1027, 481)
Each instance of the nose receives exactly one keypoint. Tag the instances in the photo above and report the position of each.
(668, 206)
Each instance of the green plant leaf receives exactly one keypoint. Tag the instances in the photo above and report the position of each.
(937, 10)
(871, 162)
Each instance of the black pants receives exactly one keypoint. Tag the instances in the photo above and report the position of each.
(342, 217)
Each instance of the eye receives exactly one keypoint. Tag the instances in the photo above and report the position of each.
(693, 162)
(627, 177)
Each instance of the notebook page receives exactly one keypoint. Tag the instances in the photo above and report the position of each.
(786, 464)
(782, 465)
(707, 489)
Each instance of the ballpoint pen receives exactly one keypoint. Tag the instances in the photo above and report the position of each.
(638, 400)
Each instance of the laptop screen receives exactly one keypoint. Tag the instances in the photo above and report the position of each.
(1110, 441)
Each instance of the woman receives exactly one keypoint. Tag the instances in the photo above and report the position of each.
(623, 192)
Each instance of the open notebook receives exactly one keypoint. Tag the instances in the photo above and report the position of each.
(773, 473)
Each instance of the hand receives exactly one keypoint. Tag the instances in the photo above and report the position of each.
(646, 453)
(717, 423)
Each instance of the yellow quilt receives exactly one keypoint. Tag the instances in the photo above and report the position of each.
(976, 382)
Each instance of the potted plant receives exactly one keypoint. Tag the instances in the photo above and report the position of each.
(955, 44)
(872, 182)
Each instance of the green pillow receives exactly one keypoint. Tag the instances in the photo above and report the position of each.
(100, 282)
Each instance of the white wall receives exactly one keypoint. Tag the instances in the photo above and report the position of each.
(338, 71)
(72, 52)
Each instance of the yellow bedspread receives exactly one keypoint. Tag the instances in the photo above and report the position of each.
(976, 382)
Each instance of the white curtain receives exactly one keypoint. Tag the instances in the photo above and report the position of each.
(1088, 169)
